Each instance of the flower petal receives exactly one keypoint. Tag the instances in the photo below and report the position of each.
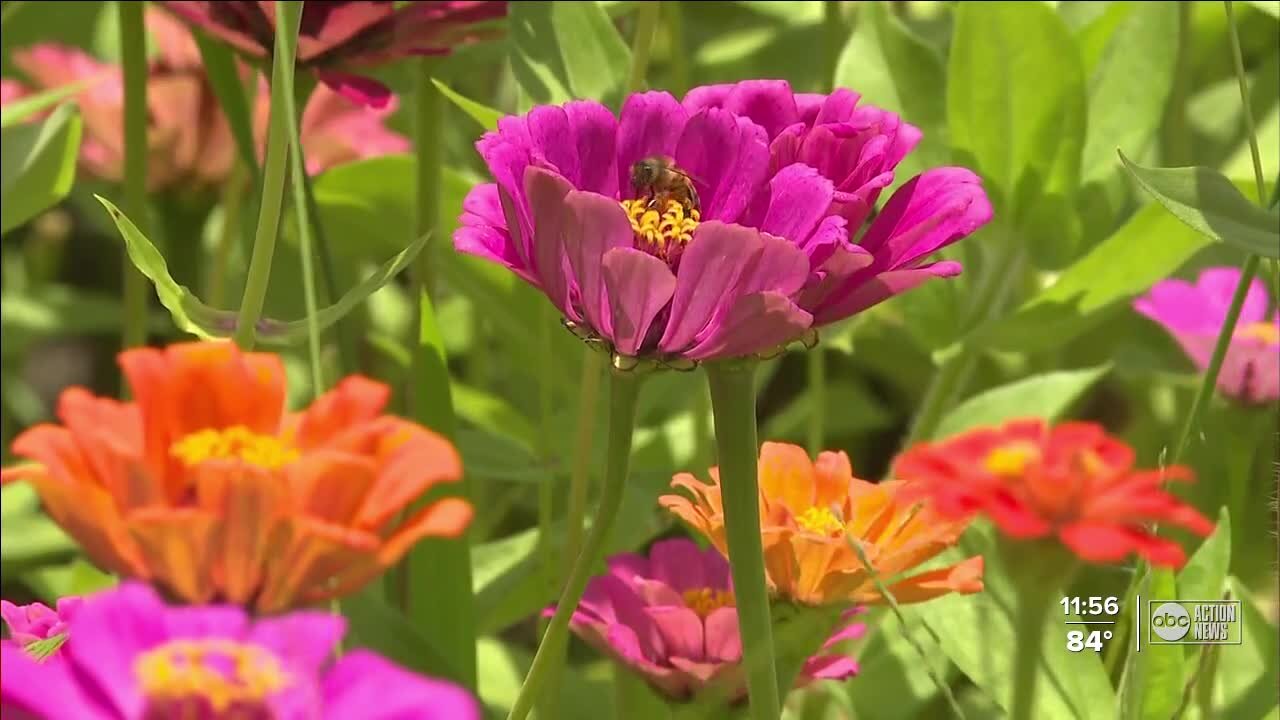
(595, 226)
(364, 685)
(41, 690)
(679, 563)
(305, 639)
(681, 631)
(881, 288)
(178, 547)
(755, 323)
(723, 643)
(546, 192)
(359, 89)
(638, 286)
(929, 212)
(110, 632)
(728, 159)
(651, 124)
(250, 503)
(483, 231)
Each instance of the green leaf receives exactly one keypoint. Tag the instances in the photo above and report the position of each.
(1047, 396)
(1016, 110)
(1270, 7)
(1148, 248)
(1205, 575)
(483, 114)
(1211, 205)
(28, 538)
(1156, 674)
(77, 577)
(376, 625)
(1249, 673)
(893, 683)
(25, 107)
(1130, 86)
(233, 98)
(44, 649)
(895, 70)
(191, 315)
(849, 408)
(495, 457)
(37, 165)
(562, 51)
(976, 633)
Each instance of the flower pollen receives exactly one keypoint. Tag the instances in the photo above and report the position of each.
(820, 520)
(1268, 333)
(663, 234)
(1011, 459)
(236, 442)
(704, 601)
(226, 676)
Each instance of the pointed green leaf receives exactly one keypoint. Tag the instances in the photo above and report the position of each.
(1248, 674)
(25, 107)
(1154, 677)
(191, 315)
(1047, 396)
(566, 50)
(1205, 575)
(37, 165)
(1211, 205)
(483, 114)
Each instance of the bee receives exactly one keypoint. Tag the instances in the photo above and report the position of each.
(658, 178)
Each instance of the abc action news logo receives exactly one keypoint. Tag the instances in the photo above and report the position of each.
(1194, 622)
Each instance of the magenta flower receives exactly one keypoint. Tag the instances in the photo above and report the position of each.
(1195, 314)
(336, 36)
(36, 622)
(11, 90)
(671, 617)
(760, 251)
(133, 658)
(190, 142)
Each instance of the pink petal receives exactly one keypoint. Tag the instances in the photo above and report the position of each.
(837, 107)
(597, 224)
(798, 199)
(755, 323)
(710, 269)
(723, 643)
(728, 158)
(362, 684)
(929, 212)
(679, 563)
(881, 288)
(358, 89)
(768, 103)
(651, 125)
(638, 286)
(546, 192)
(1217, 285)
(483, 231)
(681, 631)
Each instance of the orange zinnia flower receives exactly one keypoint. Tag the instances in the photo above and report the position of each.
(811, 512)
(1071, 481)
(206, 486)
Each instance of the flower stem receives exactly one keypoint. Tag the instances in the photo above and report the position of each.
(623, 391)
(733, 403)
(437, 591)
(817, 399)
(679, 59)
(579, 473)
(289, 19)
(305, 220)
(1247, 272)
(133, 57)
(1040, 572)
(642, 43)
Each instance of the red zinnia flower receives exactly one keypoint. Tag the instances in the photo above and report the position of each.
(1072, 481)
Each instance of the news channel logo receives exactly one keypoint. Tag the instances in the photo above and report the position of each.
(1194, 622)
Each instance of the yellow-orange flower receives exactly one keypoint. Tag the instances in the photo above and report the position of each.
(810, 512)
(206, 486)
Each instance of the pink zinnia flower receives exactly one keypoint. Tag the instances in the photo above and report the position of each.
(757, 255)
(671, 617)
(37, 621)
(1195, 314)
(135, 658)
(338, 35)
(11, 90)
(189, 139)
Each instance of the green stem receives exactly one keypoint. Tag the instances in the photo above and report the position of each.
(1237, 60)
(835, 35)
(1177, 131)
(306, 221)
(679, 60)
(548, 705)
(642, 43)
(623, 390)
(1033, 608)
(817, 400)
(580, 472)
(289, 19)
(703, 457)
(437, 589)
(733, 403)
(133, 57)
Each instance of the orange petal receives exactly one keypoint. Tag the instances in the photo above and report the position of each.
(317, 556)
(109, 435)
(446, 518)
(89, 515)
(964, 577)
(30, 471)
(250, 503)
(178, 547)
(330, 485)
(786, 476)
(355, 400)
(832, 475)
(421, 460)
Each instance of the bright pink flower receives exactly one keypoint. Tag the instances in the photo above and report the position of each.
(336, 36)
(671, 617)
(764, 255)
(133, 657)
(35, 622)
(1195, 314)
(190, 142)
(11, 90)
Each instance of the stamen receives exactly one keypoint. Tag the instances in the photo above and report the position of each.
(1011, 459)
(704, 600)
(661, 233)
(223, 673)
(820, 520)
(265, 451)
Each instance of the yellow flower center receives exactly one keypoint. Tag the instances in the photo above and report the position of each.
(661, 232)
(1011, 459)
(820, 520)
(216, 672)
(265, 451)
(1266, 332)
(704, 600)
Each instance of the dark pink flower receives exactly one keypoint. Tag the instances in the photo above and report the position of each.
(671, 617)
(336, 36)
(1195, 314)
(11, 90)
(765, 252)
(35, 622)
(133, 657)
